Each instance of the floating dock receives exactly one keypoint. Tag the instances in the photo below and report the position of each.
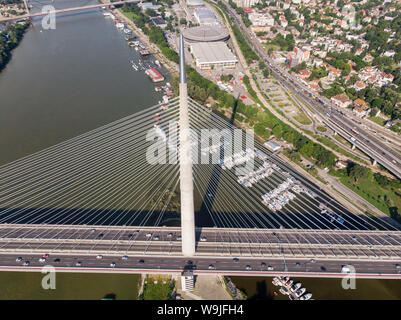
(154, 75)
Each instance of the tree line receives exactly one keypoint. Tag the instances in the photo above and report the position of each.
(10, 37)
(154, 33)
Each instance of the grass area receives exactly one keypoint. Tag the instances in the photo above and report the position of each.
(386, 199)
(129, 15)
(69, 286)
(342, 140)
(157, 288)
(378, 120)
(333, 146)
(302, 118)
(274, 47)
(282, 104)
(321, 129)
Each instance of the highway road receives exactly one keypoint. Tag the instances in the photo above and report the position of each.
(211, 242)
(200, 265)
(336, 120)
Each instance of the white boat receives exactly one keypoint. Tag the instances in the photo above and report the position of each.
(284, 291)
(277, 282)
(157, 63)
(300, 292)
(296, 286)
(306, 296)
(289, 283)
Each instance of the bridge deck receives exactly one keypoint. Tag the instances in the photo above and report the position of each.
(333, 244)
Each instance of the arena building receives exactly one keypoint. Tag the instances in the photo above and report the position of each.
(205, 34)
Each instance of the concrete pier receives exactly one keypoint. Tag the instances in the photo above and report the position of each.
(186, 183)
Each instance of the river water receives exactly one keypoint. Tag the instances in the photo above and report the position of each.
(63, 82)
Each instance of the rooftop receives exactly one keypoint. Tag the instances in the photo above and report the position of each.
(206, 52)
(195, 3)
(205, 34)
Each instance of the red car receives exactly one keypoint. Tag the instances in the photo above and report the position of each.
(45, 256)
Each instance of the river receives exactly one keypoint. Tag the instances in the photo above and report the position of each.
(63, 82)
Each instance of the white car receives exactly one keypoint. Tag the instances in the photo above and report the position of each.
(148, 235)
(26, 263)
(203, 239)
(248, 267)
(125, 257)
(270, 268)
(42, 260)
(99, 256)
(212, 267)
(113, 264)
(18, 259)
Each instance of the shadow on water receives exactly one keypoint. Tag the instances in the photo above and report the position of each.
(261, 292)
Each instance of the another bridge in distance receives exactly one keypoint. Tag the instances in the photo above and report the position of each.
(58, 11)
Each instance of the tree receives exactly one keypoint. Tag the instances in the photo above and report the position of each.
(358, 172)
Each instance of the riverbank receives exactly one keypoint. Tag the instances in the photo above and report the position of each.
(12, 35)
(168, 64)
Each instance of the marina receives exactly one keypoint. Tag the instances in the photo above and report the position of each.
(144, 62)
(294, 291)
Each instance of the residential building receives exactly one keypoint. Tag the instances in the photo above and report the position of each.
(341, 100)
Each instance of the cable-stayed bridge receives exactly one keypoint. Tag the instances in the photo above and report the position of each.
(137, 187)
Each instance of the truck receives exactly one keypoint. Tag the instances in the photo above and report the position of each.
(353, 139)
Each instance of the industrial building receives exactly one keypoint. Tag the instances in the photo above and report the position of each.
(210, 55)
(159, 22)
(272, 146)
(205, 17)
(205, 34)
(195, 3)
(246, 3)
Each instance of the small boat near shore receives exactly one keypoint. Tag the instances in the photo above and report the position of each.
(306, 296)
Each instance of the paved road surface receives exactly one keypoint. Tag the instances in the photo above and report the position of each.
(226, 266)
